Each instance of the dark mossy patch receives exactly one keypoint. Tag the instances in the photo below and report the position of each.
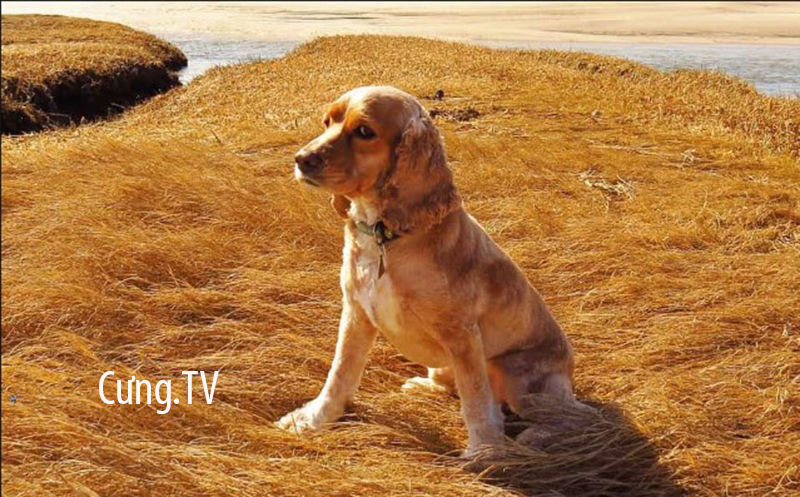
(79, 96)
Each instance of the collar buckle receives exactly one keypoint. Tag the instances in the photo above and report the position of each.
(378, 231)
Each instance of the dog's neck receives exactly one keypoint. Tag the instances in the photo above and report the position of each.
(364, 209)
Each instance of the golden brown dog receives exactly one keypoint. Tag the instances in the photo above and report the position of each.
(420, 270)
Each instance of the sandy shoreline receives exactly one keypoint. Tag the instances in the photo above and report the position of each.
(662, 22)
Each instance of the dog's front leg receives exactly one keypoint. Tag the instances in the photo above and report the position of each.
(356, 336)
(481, 412)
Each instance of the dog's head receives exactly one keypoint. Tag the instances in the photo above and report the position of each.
(379, 142)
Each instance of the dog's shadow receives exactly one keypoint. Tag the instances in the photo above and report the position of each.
(577, 453)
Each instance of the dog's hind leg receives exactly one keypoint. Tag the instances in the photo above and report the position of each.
(529, 380)
(543, 369)
(550, 420)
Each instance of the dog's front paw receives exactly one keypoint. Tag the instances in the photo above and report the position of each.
(479, 457)
(307, 418)
(489, 443)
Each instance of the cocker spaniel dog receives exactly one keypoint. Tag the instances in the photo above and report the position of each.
(421, 271)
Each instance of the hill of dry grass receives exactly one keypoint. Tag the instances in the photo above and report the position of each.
(657, 213)
(58, 70)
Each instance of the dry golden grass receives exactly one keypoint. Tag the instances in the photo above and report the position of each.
(657, 213)
(60, 69)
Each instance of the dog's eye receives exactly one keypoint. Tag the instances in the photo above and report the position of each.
(365, 132)
(327, 122)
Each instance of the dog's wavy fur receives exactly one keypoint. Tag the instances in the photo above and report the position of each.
(449, 297)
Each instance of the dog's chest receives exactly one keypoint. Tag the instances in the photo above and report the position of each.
(387, 308)
(374, 291)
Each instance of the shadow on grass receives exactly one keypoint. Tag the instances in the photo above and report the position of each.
(579, 453)
(592, 454)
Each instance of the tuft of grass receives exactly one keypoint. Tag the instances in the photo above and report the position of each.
(174, 238)
(617, 189)
(59, 70)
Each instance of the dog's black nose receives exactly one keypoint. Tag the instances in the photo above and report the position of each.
(308, 162)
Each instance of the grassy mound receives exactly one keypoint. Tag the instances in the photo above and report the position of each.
(58, 70)
(657, 213)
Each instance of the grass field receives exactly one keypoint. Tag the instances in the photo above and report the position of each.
(58, 70)
(657, 213)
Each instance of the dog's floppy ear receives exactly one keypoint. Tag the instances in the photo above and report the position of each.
(340, 204)
(418, 190)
